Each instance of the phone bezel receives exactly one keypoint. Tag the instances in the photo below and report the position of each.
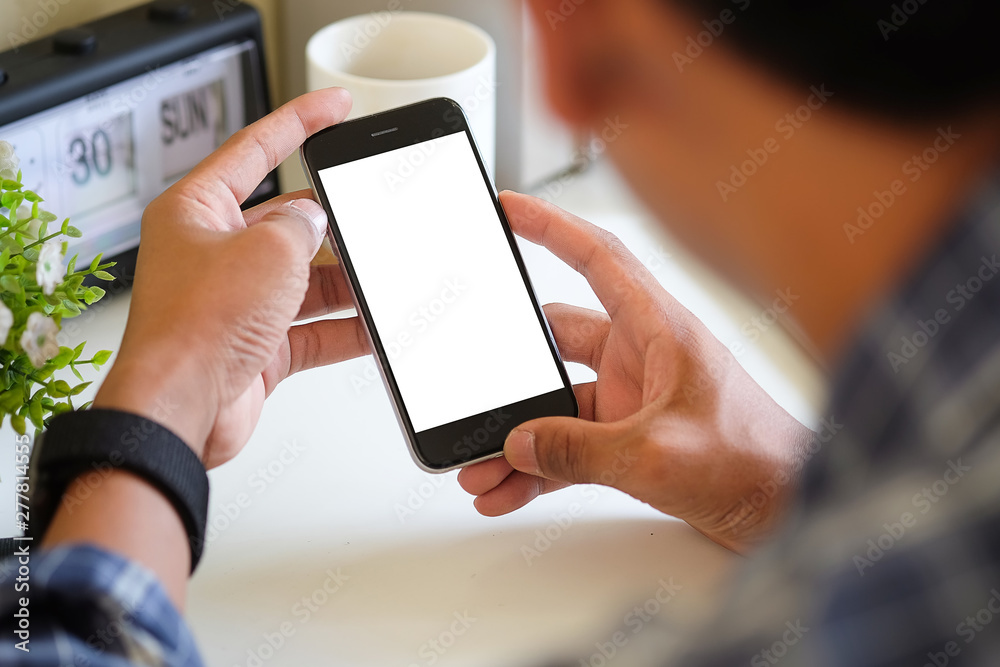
(391, 130)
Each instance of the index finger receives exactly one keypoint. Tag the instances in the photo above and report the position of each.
(614, 273)
(239, 166)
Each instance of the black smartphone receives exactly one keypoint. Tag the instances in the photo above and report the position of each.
(458, 335)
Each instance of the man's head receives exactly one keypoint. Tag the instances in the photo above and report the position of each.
(758, 129)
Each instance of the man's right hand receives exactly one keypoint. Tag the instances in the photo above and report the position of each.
(672, 419)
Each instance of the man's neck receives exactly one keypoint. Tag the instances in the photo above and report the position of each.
(885, 205)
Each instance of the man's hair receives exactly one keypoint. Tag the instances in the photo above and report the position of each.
(910, 59)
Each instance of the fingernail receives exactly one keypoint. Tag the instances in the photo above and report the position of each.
(313, 211)
(520, 451)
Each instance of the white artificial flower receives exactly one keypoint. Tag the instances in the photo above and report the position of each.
(50, 270)
(39, 339)
(6, 321)
(8, 161)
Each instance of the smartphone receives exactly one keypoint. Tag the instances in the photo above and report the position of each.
(458, 335)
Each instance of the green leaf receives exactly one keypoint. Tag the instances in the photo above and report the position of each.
(8, 184)
(13, 246)
(60, 408)
(60, 389)
(11, 284)
(102, 357)
(78, 350)
(62, 359)
(74, 283)
(12, 399)
(85, 405)
(71, 267)
(104, 275)
(47, 217)
(68, 309)
(11, 200)
(98, 293)
(35, 413)
(88, 296)
(73, 232)
(77, 373)
(17, 422)
(32, 197)
(80, 388)
(96, 263)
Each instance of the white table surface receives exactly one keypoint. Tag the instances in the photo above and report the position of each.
(339, 479)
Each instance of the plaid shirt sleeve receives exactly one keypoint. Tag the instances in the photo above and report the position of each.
(88, 607)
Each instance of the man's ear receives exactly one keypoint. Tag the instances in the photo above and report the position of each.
(565, 30)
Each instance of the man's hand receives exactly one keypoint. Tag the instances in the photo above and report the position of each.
(672, 420)
(210, 329)
(216, 291)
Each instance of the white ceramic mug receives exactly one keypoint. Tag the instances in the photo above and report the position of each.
(391, 59)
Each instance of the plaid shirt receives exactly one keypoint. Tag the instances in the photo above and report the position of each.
(892, 556)
(90, 608)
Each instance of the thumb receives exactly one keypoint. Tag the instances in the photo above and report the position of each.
(570, 450)
(298, 228)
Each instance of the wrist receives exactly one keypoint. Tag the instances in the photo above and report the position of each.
(168, 394)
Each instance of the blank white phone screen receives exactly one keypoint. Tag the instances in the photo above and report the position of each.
(444, 290)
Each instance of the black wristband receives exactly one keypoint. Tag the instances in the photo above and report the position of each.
(76, 443)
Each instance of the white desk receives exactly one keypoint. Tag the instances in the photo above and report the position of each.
(339, 476)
